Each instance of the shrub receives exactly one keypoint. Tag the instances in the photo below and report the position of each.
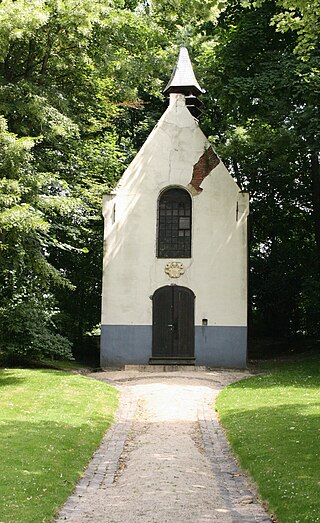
(27, 332)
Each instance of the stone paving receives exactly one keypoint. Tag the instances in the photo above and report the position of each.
(166, 459)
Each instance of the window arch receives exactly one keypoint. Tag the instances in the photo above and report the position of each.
(174, 224)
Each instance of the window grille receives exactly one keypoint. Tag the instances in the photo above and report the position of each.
(174, 224)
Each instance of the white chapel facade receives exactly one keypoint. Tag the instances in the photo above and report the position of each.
(175, 248)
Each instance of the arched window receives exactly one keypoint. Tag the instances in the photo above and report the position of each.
(174, 224)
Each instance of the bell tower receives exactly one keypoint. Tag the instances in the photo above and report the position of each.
(183, 81)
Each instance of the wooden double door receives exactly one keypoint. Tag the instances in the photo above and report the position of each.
(173, 323)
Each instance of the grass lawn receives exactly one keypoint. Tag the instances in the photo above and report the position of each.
(50, 424)
(273, 425)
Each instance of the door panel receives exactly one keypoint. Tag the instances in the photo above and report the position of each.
(173, 322)
(162, 318)
(183, 308)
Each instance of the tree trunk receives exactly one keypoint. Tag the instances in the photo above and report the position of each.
(30, 60)
(315, 177)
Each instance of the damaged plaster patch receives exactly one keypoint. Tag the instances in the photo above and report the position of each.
(208, 161)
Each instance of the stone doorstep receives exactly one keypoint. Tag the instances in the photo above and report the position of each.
(173, 368)
(166, 368)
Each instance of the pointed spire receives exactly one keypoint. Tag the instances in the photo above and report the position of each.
(183, 79)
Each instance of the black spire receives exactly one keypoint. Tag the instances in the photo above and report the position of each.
(183, 81)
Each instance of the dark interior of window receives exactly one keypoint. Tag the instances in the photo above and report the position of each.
(174, 224)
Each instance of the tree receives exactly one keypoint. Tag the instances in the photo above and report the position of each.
(263, 114)
(69, 77)
(27, 305)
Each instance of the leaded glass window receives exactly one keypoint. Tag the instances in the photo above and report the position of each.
(174, 224)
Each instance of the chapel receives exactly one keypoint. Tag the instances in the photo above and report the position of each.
(175, 247)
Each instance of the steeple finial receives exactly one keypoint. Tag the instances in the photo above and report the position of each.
(183, 79)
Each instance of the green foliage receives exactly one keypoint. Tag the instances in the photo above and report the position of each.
(26, 305)
(70, 72)
(80, 90)
(271, 422)
(262, 113)
(51, 422)
(302, 17)
(182, 11)
(27, 332)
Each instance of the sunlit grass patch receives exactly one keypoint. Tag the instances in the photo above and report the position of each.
(273, 425)
(50, 424)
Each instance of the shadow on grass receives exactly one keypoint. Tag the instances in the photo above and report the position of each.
(301, 374)
(277, 419)
(9, 378)
(274, 381)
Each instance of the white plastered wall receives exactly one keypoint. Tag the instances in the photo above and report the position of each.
(217, 271)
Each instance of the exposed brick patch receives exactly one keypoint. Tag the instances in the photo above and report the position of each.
(208, 161)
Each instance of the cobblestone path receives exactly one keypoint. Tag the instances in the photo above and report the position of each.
(166, 459)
